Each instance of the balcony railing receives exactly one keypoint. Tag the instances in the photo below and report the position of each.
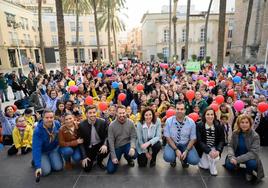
(28, 42)
(74, 43)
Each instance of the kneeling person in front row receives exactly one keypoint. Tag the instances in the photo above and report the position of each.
(94, 132)
(122, 139)
(180, 132)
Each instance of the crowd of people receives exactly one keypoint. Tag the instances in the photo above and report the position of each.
(94, 111)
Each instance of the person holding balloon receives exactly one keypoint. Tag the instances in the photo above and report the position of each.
(148, 138)
(244, 148)
(210, 141)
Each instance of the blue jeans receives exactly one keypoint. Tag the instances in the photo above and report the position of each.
(251, 165)
(111, 167)
(170, 156)
(70, 152)
(51, 161)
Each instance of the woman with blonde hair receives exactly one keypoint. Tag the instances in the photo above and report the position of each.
(244, 148)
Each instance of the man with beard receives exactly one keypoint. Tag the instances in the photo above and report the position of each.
(180, 132)
(94, 132)
(122, 139)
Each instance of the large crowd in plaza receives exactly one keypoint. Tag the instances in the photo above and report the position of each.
(136, 109)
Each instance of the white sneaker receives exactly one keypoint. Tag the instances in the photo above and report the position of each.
(249, 177)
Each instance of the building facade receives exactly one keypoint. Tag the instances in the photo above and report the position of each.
(155, 35)
(19, 36)
(257, 35)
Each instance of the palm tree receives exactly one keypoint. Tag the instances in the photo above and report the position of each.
(174, 21)
(221, 35)
(206, 28)
(111, 18)
(61, 35)
(94, 6)
(40, 28)
(78, 7)
(245, 39)
(187, 29)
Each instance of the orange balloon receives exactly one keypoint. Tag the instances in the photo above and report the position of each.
(190, 95)
(194, 116)
(170, 112)
(215, 106)
(219, 99)
(140, 87)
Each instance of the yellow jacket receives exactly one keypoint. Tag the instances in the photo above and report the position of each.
(30, 121)
(109, 98)
(26, 141)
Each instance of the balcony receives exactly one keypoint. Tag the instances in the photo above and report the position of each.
(28, 42)
(80, 43)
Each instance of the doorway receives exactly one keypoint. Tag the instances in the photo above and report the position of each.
(12, 57)
(37, 56)
(183, 53)
(95, 54)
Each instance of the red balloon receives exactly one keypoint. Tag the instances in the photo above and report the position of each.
(263, 107)
(122, 97)
(239, 74)
(89, 100)
(194, 116)
(215, 106)
(170, 112)
(212, 83)
(139, 87)
(103, 106)
(219, 99)
(109, 72)
(224, 70)
(230, 93)
(190, 94)
(14, 107)
(252, 69)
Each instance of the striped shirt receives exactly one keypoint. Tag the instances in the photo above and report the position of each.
(210, 136)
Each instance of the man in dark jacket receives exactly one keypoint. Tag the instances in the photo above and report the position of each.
(94, 132)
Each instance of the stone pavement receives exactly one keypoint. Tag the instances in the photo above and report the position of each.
(16, 172)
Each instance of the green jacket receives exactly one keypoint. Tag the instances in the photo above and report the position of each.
(202, 105)
(3, 83)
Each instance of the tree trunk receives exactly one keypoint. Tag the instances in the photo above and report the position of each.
(245, 39)
(109, 32)
(187, 29)
(206, 29)
(115, 43)
(174, 21)
(97, 30)
(61, 35)
(169, 26)
(77, 32)
(221, 35)
(40, 28)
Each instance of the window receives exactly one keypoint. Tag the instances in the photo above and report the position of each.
(81, 40)
(230, 33)
(166, 35)
(10, 19)
(183, 35)
(52, 26)
(202, 35)
(91, 27)
(54, 41)
(72, 26)
(24, 23)
(229, 45)
(93, 40)
(202, 52)
(165, 52)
